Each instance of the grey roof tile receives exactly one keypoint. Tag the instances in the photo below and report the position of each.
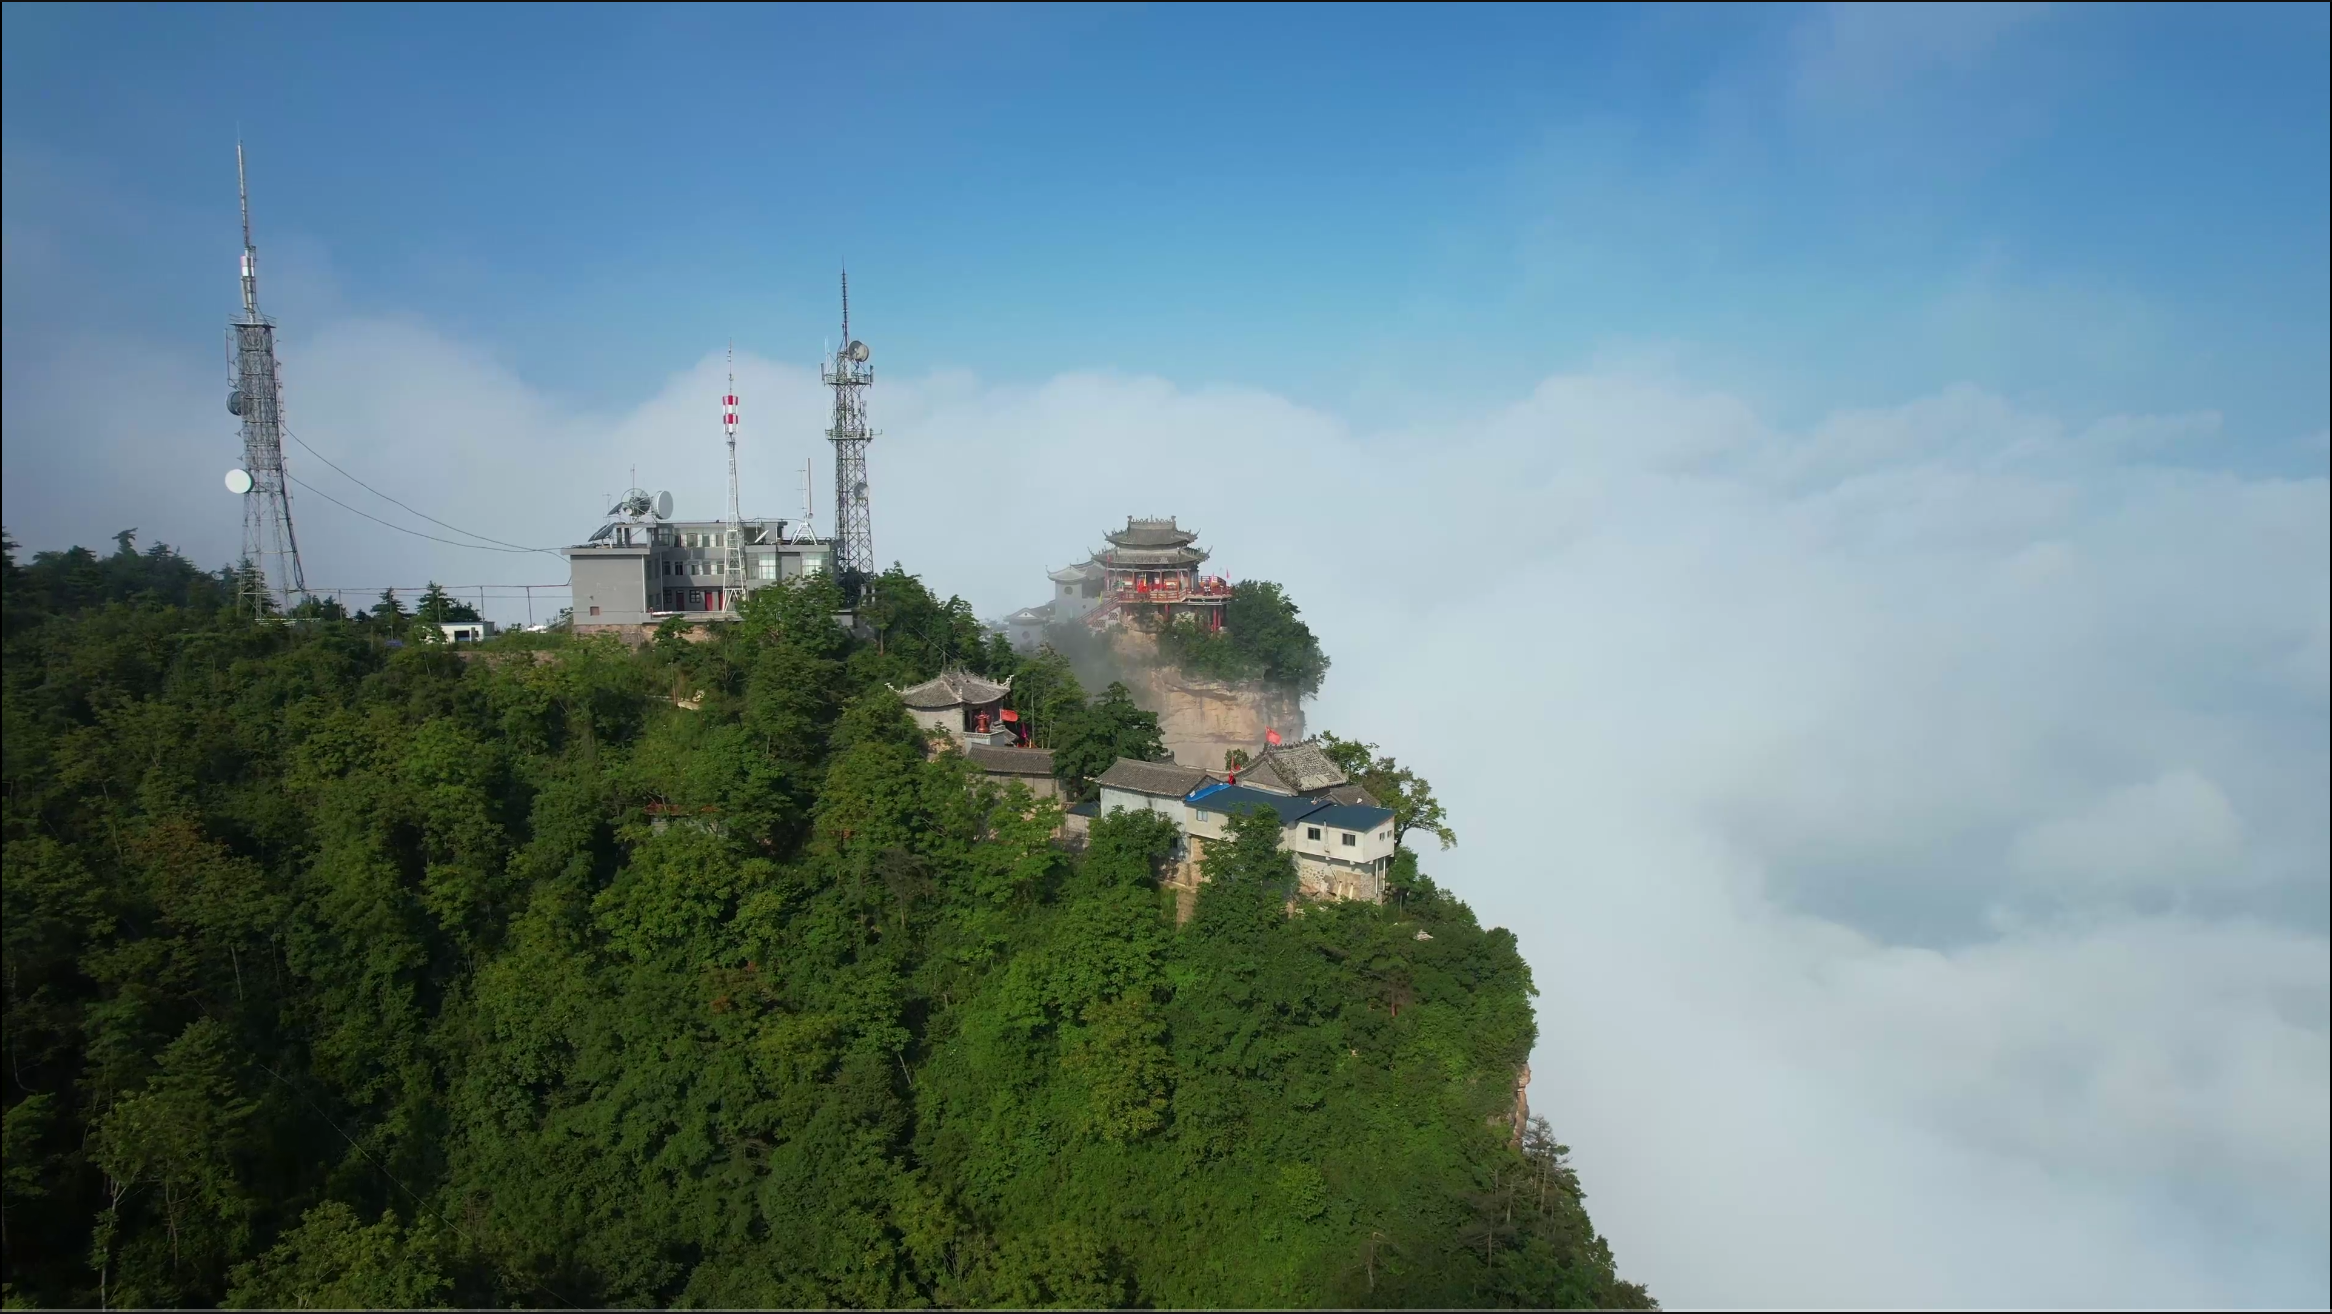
(953, 689)
(1000, 761)
(1158, 779)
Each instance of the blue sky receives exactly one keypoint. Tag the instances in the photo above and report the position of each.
(1368, 209)
(1835, 499)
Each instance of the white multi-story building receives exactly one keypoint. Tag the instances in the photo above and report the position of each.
(641, 570)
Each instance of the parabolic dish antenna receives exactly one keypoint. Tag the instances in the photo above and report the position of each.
(235, 402)
(858, 350)
(663, 506)
(238, 482)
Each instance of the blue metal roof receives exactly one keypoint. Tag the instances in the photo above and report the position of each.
(1239, 798)
(1350, 816)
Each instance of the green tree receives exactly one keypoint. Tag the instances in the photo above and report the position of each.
(1262, 622)
(1098, 734)
(333, 1261)
(389, 610)
(1392, 785)
(438, 607)
(1046, 694)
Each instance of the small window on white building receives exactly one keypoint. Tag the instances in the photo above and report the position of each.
(1311, 832)
(1349, 839)
(595, 611)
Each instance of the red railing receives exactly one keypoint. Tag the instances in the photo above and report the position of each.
(1209, 589)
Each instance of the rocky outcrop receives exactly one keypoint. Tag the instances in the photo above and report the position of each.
(1201, 720)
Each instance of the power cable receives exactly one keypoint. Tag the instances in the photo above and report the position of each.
(476, 547)
(386, 498)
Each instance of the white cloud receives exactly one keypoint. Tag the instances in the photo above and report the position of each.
(2175, 828)
(1852, 53)
(1917, 825)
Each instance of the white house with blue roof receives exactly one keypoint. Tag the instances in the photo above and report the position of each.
(1342, 850)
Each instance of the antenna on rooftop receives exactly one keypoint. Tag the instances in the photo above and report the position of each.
(270, 547)
(808, 533)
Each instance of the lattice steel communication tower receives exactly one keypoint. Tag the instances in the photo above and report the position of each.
(849, 375)
(271, 551)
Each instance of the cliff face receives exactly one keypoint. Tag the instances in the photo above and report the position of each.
(1203, 719)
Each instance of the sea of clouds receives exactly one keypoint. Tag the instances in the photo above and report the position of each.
(1916, 823)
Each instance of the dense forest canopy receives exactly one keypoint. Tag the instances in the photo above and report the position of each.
(348, 970)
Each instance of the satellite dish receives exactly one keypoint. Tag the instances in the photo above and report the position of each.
(235, 402)
(858, 350)
(663, 506)
(238, 482)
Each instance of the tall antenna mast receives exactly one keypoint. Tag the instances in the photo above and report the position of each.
(271, 550)
(808, 533)
(847, 373)
(733, 569)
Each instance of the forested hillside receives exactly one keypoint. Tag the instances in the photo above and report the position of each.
(347, 970)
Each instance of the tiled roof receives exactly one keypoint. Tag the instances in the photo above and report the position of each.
(1151, 533)
(1151, 557)
(1302, 766)
(1261, 776)
(1000, 761)
(953, 689)
(1350, 794)
(1158, 779)
(1083, 570)
(1031, 615)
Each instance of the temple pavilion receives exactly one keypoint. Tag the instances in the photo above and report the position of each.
(1150, 573)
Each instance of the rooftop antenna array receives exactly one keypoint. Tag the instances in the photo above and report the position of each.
(848, 374)
(733, 555)
(808, 531)
(272, 573)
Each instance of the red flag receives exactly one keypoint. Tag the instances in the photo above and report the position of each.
(1271, 737)
(1010, 715)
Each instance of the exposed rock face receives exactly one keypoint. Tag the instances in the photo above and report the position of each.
(1201, 720)
(1521, 1115)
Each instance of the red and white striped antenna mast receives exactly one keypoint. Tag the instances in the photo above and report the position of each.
(733, 568)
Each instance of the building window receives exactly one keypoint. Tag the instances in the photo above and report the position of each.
(1350, 839)
(595, 611)
(696, 597)
(1311, 832)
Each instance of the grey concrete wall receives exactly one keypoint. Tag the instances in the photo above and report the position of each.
(615, 585)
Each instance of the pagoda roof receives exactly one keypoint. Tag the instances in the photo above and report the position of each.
(953, 689)
(1083, 570)
(1151, 533)
(1171, 555)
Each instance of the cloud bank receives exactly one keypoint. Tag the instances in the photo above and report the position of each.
(1916, 822)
